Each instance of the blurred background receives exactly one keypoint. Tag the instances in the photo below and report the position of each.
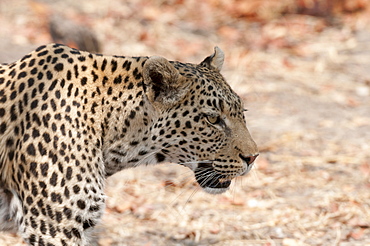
(302, 68)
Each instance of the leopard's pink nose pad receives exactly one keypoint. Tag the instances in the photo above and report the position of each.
(248, 159)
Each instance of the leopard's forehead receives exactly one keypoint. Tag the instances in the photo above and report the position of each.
(212, 86)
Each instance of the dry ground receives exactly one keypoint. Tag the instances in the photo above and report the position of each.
(307, 87)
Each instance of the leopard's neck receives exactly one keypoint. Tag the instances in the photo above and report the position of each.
(125, 114)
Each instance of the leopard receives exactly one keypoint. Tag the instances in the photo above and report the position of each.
(70, 119)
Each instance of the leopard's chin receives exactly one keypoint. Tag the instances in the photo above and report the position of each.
(215, 191)
(210, 181)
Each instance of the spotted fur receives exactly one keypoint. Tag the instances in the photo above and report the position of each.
(69, 119)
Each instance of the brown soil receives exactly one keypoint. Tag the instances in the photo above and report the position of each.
(307, 87)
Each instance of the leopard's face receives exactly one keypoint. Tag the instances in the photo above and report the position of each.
(205, 128)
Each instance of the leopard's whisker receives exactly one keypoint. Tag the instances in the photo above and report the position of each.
(192, 195)
(207, 178)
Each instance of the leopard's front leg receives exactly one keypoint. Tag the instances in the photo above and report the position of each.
(62, 195)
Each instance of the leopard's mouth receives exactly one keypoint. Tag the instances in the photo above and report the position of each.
(210, 180)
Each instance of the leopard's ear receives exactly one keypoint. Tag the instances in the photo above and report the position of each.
(214, 61)
(164, 85)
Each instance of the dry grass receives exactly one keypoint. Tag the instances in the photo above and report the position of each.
(306, 86)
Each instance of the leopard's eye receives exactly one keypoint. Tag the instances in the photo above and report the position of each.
(213, 119)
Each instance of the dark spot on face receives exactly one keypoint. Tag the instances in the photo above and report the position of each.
(83, 81)
(31, 150)
(58, 67)
(22, 75)
(118, 80)
(130, 86)
(160, 157)
(81, 204)
(76, 189)
(188, 124)
(53, 179)
(2, 128)
(113, 66)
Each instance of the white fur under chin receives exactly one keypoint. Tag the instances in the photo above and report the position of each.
(215, 191)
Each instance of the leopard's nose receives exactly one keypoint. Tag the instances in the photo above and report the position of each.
(248, 159)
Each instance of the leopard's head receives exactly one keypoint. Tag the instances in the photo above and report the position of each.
(200, 122)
